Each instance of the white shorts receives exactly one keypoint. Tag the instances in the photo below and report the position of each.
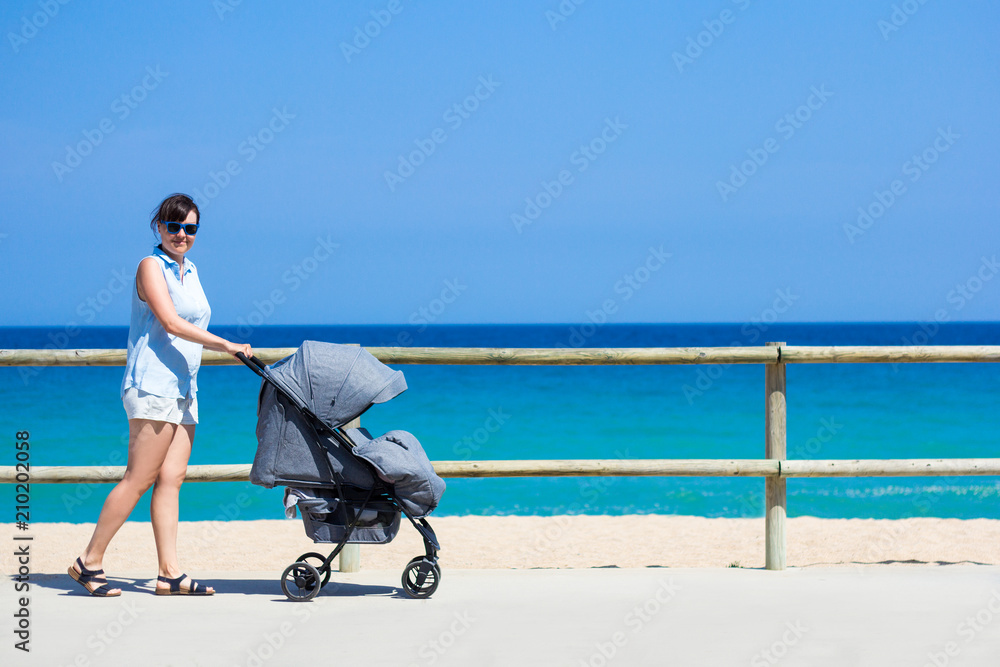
(143, 405)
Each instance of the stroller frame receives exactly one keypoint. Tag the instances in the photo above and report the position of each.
(303, 579)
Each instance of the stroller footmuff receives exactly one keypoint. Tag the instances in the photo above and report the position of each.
(349, 487)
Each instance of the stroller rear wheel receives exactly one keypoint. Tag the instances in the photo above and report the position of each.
(300, 582)
(320, 566)
(421, 577)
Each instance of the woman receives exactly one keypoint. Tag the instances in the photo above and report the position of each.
(166, 335)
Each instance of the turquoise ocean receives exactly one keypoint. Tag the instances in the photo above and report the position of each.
(835, 411)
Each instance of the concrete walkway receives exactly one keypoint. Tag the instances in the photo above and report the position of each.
(879, 616)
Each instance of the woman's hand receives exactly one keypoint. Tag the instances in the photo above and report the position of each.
(234, 348)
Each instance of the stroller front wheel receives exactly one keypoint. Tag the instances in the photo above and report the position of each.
(300, 582)
(421, 577)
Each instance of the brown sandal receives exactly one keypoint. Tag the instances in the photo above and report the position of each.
(85, 576)
(175, 587)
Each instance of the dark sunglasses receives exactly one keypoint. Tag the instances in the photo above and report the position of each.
(174, 227)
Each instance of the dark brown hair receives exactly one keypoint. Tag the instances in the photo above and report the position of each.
(174, 208)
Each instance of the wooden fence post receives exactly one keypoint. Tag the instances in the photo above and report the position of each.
(775, 446)
(350, 555)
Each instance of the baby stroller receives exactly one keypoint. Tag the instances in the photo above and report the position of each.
(349, 487)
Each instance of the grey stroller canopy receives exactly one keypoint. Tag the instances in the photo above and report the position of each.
(333, 384)
(337, 382)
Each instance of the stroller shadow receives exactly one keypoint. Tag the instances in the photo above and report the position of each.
(272, 587)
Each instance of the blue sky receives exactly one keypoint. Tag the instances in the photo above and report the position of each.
(507, 162)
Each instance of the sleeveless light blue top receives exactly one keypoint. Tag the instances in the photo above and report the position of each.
(157, 362)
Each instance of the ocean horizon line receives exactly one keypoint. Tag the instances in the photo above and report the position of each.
(541, 324)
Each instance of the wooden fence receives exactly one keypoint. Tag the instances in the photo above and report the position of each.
(774, 467)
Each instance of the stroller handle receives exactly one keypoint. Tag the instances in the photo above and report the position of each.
(253, 363)
(258, 367)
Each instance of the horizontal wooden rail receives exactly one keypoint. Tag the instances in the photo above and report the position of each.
(893, 354)
(594, 356)
(441, 355)
(609, 468)
(580, 468)
(239, 472)
(889, 467)
(565, 357)
(116, 357)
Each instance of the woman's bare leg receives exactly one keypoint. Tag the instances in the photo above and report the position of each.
(148, 444)
(164, 509)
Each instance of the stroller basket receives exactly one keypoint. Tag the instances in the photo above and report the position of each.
(327, 518)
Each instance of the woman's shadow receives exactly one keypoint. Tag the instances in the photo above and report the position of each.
(63, 584)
